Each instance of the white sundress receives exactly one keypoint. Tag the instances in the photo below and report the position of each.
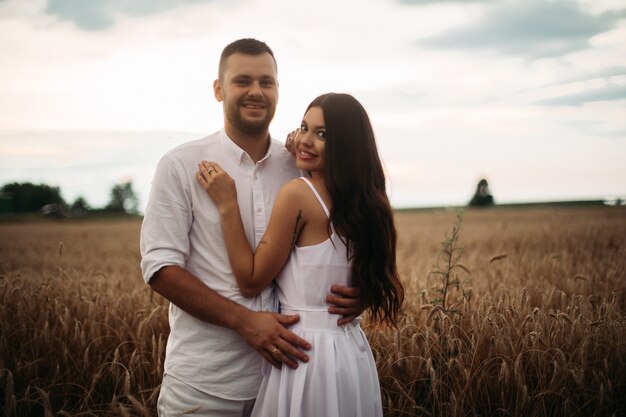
(340, 378)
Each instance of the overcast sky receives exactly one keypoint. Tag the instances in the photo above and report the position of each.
(529, 94)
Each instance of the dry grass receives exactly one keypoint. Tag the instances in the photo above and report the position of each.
(81, 334)
(543, 332)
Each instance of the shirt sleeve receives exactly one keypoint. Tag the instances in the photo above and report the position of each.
(168, 217)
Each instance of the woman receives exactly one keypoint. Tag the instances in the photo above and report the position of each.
(335, 227)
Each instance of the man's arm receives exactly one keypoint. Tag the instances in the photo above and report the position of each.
(263, 331)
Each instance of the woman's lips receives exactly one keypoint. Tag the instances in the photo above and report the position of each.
(306, 155)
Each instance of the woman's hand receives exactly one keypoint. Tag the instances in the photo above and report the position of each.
(218, 184)
(290, 143)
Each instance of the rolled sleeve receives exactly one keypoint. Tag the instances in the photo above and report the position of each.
(167, 220)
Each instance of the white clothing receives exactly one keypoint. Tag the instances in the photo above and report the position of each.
(182, 227)
(340, 378)
(177, 399)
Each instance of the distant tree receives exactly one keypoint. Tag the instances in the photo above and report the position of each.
(28, 197)
(482, 197)
(123, 199)
(80, 207)
(6, 202)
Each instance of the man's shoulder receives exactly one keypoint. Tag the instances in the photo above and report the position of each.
(278, 148)
(192, 146)
(276, 144)
(191, 149)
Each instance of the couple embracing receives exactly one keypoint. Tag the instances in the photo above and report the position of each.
(269, 253)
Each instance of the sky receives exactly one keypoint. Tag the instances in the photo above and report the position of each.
(529, 94)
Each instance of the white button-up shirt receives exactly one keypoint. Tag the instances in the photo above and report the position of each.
(182, 227)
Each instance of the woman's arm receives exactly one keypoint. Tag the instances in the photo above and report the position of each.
(254, 270)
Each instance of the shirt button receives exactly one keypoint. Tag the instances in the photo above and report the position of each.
(259, 209)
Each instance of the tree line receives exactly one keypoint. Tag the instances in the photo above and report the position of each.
(28, 197)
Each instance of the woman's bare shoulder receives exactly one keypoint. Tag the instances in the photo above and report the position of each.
(295, 195)
(294, 187)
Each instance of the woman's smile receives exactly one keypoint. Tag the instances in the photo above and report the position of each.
(306, 155)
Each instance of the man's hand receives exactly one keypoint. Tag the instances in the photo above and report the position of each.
(266, 333)
(345, 301)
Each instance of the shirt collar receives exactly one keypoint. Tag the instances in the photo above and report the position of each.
(235, 151)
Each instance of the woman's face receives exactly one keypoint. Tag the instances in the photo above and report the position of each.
(311, 141)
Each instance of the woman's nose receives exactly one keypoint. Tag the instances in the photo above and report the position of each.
(304, 138)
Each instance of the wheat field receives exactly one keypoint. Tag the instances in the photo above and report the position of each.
(517, 312)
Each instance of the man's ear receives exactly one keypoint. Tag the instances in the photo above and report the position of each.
(217, 90)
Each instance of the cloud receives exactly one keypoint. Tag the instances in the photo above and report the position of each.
(608, 92)
(533, 28)
(418, 2)
(101, 14)
(615, 70)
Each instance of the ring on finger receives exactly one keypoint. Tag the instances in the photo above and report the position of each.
(273, 351)
(210, 170)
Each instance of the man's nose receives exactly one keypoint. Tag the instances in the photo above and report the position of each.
(255, 89)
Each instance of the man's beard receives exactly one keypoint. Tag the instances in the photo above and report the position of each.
(250, 127)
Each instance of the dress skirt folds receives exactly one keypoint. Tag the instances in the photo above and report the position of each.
(339, 380)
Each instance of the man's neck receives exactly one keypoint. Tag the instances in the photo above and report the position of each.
(254, 145)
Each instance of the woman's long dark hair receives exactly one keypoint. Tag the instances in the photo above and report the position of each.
(354, 178)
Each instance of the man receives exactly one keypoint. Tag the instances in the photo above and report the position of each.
(209, 366)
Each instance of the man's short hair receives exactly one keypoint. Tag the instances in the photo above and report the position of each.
(247, 46)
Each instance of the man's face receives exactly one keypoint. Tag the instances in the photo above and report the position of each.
(249, 92)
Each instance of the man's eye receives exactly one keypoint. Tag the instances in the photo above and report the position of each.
(267, 83)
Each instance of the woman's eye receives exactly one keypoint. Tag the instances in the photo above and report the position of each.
(321, 134)
(303, 128)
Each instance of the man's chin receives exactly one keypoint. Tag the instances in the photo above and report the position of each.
(251, 125)
(254, 128)
(256, 124)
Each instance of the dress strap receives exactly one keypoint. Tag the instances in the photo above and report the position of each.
(317, 195)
